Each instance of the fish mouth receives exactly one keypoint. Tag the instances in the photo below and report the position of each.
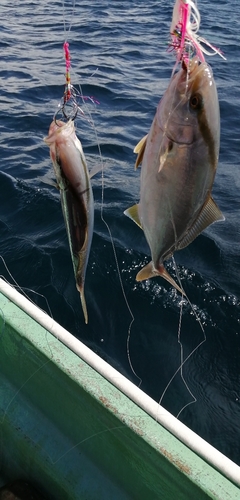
(185, 67)
(67, 127)
(196, 74)
(192, 66)
(58, 127)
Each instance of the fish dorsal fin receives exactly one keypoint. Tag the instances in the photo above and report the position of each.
(209, 214)
(132, 213)
(139, 150)
(149, 271)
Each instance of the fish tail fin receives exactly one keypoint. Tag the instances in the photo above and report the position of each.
(83, 302)
(149, 271)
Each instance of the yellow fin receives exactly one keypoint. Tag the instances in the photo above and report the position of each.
(139, 149)
(132, 213)
(149, 271)
(210, 213)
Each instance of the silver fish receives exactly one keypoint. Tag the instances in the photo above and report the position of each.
(179, 159)
(76, 196)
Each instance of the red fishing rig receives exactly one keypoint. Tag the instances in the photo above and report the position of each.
(185, 41)
(72, 98)
(67, 91)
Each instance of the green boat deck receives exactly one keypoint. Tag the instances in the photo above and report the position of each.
(75, 435)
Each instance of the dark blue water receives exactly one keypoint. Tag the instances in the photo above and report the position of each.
(119, 56)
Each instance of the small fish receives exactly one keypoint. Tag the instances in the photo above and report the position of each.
(73, 180)
(179, 159)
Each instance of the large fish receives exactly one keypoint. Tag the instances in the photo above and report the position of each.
(76, 196)
(179, 159)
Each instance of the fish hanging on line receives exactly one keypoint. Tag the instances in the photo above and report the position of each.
(74, 182)
(179, 159)
(73, 178)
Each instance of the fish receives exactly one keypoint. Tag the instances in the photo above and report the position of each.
(179, 158)
(73, 181)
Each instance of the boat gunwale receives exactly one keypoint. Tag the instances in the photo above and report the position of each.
(193, 441)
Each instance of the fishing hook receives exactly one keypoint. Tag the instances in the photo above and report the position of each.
(67, 116)
(75, 112)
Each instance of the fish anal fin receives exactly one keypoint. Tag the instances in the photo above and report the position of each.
(133, 213)
(139, 150)
(149, 271)
(210, 213)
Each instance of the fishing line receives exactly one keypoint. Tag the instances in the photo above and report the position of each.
(22, 290)
(23, 385)
(114, 248)
(177, 371)
(69, 105)
(116, 260)
(99, 433)
(181, 345)
(3, 328)
(66, 32)
(183, 361)
(17, 286)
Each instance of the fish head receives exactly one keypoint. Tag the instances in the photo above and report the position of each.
(189, 109)
(59, 130)
(60, 137)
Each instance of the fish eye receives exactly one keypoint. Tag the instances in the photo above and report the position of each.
(196, 102)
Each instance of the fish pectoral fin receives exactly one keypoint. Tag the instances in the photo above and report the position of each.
(166, 148)
(95, 170)
(210, 213)
(133, 213)
(149, 271)
(49, 182)
(139, 150)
